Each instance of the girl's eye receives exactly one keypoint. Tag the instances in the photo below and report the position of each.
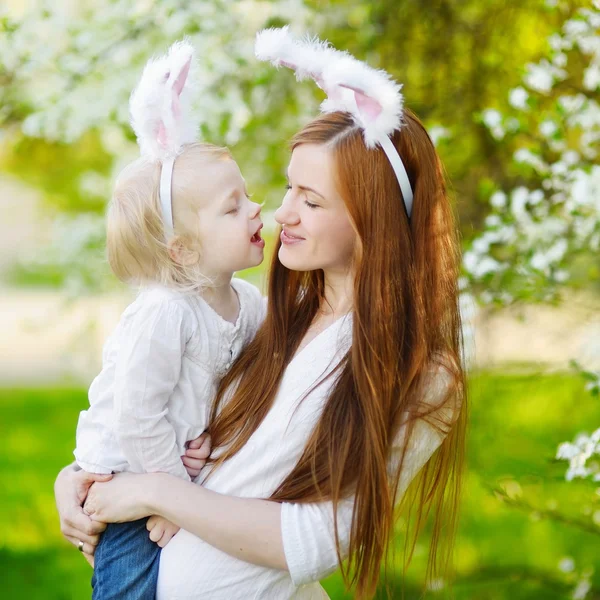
(233, 211)
(288, 186)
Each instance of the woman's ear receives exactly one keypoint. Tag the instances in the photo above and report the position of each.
(180, 253)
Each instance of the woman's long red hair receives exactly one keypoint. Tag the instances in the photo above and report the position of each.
(406, 319)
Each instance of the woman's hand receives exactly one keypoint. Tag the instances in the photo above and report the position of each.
(70, 491)
(195, 456)
(161, 530)
(123, 498)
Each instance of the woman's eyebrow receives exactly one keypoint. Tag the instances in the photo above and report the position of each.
(304, 187)
(308, 189)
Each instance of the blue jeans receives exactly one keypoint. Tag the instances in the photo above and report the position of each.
(126, 563)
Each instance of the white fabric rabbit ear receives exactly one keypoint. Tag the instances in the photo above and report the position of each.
(306, 58)
(377, 97)
(160, 105)
(371, 96)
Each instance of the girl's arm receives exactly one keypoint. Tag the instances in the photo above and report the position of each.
(148, 368)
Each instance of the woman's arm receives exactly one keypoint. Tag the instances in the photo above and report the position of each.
(298, 538)
(308, 530)
(246, 528)
(70, 490)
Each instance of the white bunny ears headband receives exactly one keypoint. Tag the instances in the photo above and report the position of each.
(161, 116)
(369, 95)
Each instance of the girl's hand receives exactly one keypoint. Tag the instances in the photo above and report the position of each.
(124, 498)
(70, 491)
(161, 530)
(196, 454)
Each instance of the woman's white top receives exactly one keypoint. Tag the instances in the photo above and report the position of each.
(160, 369)
(191, 568)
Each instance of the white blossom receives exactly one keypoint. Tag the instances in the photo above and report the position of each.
(566, 564)
(493, 121)
(498, 199)
(591, 77)
(518, 98)
(581, 590)
(578, 453)
(541, 76)
(548, 128)
(438, 133)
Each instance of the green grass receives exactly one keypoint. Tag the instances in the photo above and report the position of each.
(503, 552)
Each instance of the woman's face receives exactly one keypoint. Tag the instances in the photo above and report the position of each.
(317, 232)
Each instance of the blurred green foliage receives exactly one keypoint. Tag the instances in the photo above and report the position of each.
(502, 552)
(454, 57)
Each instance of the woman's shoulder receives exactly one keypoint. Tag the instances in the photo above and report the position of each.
(442, 390)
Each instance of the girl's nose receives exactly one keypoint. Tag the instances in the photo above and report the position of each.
(255, 209)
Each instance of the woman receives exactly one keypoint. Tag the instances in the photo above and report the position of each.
(351, 386)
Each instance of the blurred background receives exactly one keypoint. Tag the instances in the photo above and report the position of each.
(509, 94)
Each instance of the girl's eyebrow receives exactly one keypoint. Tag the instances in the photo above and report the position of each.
(230, 196)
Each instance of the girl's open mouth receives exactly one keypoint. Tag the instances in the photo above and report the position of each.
(256, 240)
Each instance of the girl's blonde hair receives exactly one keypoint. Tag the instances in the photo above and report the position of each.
(138, 252)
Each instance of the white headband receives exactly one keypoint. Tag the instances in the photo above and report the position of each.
(369, 95)
(161, 116)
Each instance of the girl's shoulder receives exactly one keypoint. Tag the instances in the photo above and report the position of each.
(251, 296)
(159, 300)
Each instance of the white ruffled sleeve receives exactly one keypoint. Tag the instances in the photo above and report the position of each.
(308, 529)
(148, 368)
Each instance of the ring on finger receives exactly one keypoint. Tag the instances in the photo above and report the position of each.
(80, 546)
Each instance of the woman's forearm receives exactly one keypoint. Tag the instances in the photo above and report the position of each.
(246, 528)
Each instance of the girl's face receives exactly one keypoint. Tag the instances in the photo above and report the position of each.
(229, 222)
(317, 232)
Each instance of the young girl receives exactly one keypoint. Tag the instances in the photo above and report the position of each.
(179, 224)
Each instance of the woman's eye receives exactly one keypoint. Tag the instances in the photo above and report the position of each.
(310, 204)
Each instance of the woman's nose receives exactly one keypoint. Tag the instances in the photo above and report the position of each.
(285, 215)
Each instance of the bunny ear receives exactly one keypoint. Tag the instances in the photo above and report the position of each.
(180, 80)
(376, 95)
(372, 97)
(368, 107)
(306, 57)
(160, 106)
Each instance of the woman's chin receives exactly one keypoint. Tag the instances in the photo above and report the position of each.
(292, 262)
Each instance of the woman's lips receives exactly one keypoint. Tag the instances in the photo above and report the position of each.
(288, 239)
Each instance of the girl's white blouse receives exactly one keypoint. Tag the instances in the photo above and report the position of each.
(160, 369)
(191, 568)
